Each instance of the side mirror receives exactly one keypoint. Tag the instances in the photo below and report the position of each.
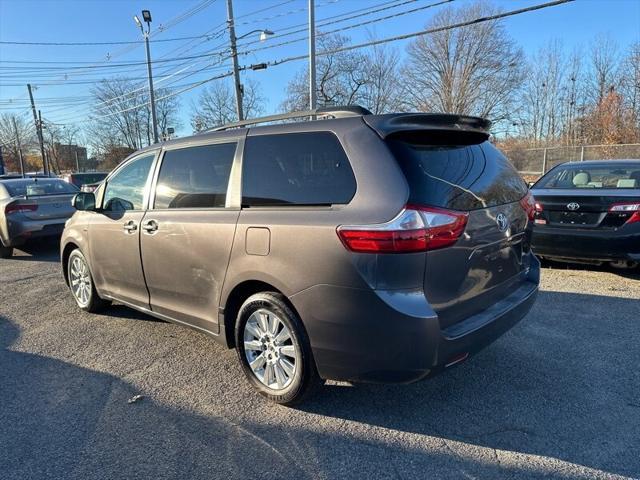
(84, 201)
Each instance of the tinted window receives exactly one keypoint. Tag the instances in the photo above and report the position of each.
(32, 187)
(464, 177)
(125, 190)
(614, 176)
(296, 169)
(195, 177)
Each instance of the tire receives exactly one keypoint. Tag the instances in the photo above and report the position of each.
(268, 328)
(5, 252)
(84, 291)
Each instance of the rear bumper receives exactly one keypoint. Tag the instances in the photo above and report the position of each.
(19, 231)
(395, 337)
(586, 244)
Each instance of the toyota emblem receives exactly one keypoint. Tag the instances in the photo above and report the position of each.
(502, 221)
(573, 206)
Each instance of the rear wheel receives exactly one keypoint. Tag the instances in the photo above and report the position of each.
(81, 283)
(274, 350)
(5, 252)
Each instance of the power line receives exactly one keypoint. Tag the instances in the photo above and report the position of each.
(368, 44)
(348, 27)
(205, 54)
(171, 23)
(372, 9)
(387, 40)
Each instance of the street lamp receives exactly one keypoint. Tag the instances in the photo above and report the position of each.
(146, 17)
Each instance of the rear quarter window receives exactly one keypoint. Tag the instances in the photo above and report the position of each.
(296, 169)
(459, 177)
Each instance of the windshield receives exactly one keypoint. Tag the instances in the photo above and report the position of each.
(31, 187)
(576, 177)
(80, 179)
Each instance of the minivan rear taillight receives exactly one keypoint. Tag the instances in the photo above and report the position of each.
(632, 208)
(20, 208)
(415, 229)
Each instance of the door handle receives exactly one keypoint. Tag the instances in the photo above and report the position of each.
(150, 226)
(130, 226)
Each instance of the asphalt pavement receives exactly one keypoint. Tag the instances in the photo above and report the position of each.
(556, 397)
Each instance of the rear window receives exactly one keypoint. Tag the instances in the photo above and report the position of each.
(20, 188)
(296, 169)
(459, 177)
(195, 177)
(573, 177)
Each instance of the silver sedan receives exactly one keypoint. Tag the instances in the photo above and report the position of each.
(32, 207)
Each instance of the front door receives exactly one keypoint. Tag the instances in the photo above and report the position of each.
(186, 236)
(114, 234)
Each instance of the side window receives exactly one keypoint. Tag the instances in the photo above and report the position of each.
(125, 190)
(195, 177)
(296, 169)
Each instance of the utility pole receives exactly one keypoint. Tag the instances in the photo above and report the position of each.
(77, 162)
(151, 94)
(146, 17)
(38, 130)
(46, 153)
(234, 56)
(312, 55)
(15, 129)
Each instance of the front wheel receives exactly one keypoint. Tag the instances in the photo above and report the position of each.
(274, 349)
(81, 283)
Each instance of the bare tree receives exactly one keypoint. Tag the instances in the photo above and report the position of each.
(341, 77)
(604, 64)
(167, 108)
(122, 116)
(60, 142)
(630, 80)
(543, 95)
(16, 131)
(473, 70)
(216, 105)
(381, 91)
(574, 102)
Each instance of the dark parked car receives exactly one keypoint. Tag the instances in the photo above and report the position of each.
(88, 179)
(368, 248)
(589, 212)
(32, 207)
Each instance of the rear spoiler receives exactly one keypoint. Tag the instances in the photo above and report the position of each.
(406, 124)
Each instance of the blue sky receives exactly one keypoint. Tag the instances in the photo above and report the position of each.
(111, 20)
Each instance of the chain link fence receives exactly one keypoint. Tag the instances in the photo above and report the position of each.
(534, 162)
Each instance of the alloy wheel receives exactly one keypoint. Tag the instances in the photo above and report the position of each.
(80, 280)
(270, 350)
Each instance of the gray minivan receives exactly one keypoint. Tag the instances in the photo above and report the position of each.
(355, 247)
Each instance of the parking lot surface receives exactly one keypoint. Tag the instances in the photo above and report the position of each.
(556, 397)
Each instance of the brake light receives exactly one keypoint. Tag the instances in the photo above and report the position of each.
(529, 205)
(415, 229)
(632, 208)
(20, 208)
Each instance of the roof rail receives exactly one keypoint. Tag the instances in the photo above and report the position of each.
(328, 112)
